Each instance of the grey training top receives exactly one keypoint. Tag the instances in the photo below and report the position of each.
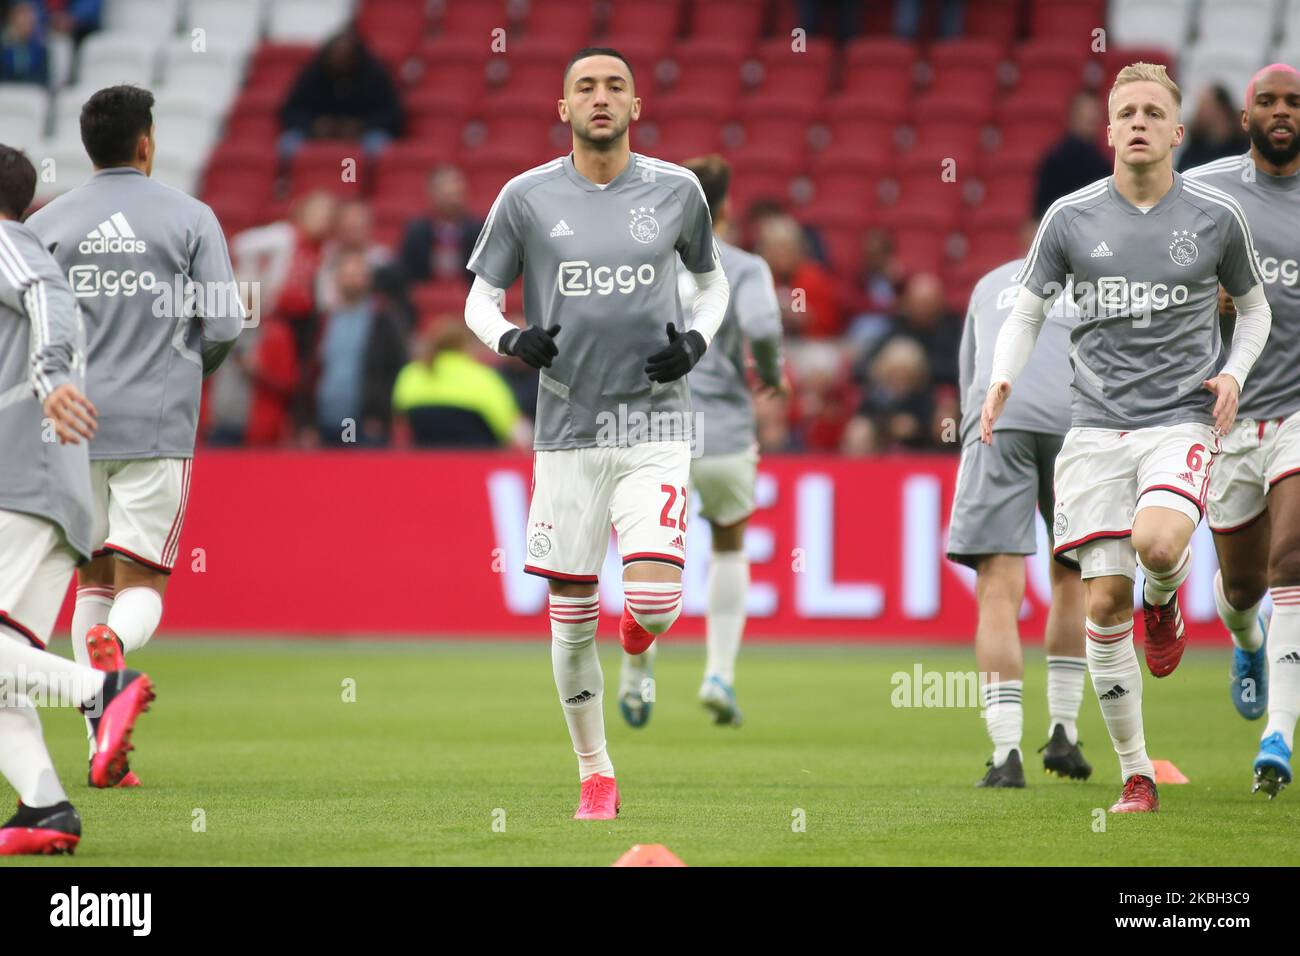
(1272, 205)
(130, 247)
(1040, 399)
(724, 411)
(1147, 289)
(601, 264)
(42, 346)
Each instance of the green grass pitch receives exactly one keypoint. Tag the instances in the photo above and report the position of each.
(255, 741)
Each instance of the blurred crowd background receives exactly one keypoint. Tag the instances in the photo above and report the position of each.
(884, 158)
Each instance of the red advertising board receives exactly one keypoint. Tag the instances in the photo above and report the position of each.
(373, 543)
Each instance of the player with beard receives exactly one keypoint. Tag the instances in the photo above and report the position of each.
(1254, 501)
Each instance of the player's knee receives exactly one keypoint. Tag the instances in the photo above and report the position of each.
(1244, 590)
(1160, 553)
(1283, 566)
(1108, 607)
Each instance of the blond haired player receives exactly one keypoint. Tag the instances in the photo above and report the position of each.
(1146, 249)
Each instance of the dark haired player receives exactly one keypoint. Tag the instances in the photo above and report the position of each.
(45, 422)
(149, 267)
(596, 235)
(1254, 502)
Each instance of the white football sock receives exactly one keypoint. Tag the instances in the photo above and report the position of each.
(1065, 693)
(1117, 680)
(93, 604)
(653, 604)
(579, 680)
(728, 589)
(1159, 586)
(1004, 716)
(1284, 663)
(135, 615)
(45, 676)
(1242, 624)
(24, 761)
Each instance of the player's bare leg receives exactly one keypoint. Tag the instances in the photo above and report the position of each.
(999, 591)
(1067, 667)
(728, 589)
(1117, 679)
(1273, 764)
(1161, 537)
(575, 613)
(1239, 588)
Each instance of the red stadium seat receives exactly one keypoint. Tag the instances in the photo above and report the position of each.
(953, 136)
(392, 28)
(885, 54)
(658, 21)
(276, 65)
(1050, 67)
(451, 65)
(486, 171)
(255, 117)
(741, 19)
(850, 178)
(402, 171)
(990, 217)
(1009, 189)
(473, 23)
(235, 213)
(530, 65)
(240, 170)
(680, 127)
(965, 67)
(324, 164)
(432, 299)
(1073, 20)
(785, 70)
(567, 20)
(435, 115)
(779, 118)
(993, 19)
(703, 67)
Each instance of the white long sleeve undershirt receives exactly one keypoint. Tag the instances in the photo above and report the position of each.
(483, 313)
(1017, 336)
(712, 291)
(1254, 319)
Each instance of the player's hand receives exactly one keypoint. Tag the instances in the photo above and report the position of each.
(535, 346)
(1228, 391)
(994, 401)
(73, 414)
(781, 389)
(683, 351)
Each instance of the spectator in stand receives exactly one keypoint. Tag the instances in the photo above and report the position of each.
(436, 246)
(362, 349)
(344, 92)
(924, 317)
(898, 401)
(762, 210)
(839, 20)
(448, 398)
(910, 14)
(75, 19)
(823, 397)
(1076, 159)
(807, 293)
(353, 230)
(1215, 130)
(875, 290)
(252, 395)
(23, 55)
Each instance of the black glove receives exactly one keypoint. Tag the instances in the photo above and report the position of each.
(535, 346)
(670, 364)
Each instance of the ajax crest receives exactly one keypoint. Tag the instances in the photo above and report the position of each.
(539, 545)
(1183, 249)
(644, 226)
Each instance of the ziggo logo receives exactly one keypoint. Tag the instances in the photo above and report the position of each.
(577, 277)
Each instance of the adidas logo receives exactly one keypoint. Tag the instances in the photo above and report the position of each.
(1115, 693)
(561, 229)
(1291, 658)
(1102, 251)
(114, 234)
(678, 543)
(1188, 477)
(585, 696)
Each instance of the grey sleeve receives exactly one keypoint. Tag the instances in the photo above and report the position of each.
(695, 242)
(35, 288)
(753, 297)
(1046, 267)
(498, 256)
(1238, 272)
(221, 306)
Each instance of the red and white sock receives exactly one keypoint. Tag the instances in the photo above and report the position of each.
(728, 589)
(93, 604)
(653, 604)
(1117, 679)
(135, 615)
(1284, 663)
(579, 680)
